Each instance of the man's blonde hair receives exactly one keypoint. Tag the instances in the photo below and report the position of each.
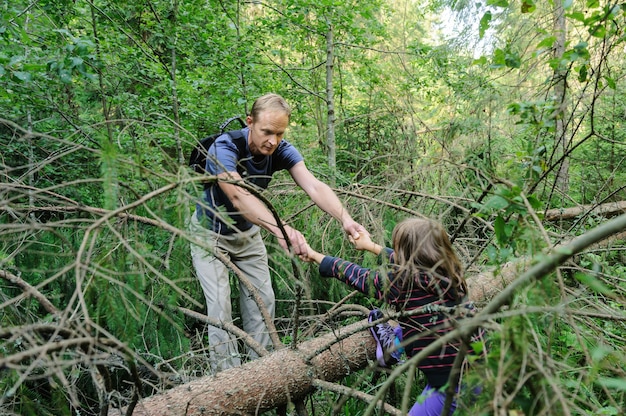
(269, 101)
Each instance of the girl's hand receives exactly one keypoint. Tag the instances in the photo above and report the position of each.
(364, 242)
(311, 255)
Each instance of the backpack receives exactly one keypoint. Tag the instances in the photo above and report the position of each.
(197, 159)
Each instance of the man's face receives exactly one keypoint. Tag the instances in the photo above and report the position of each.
(266, 131)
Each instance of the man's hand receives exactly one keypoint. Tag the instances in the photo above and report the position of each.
(364, 242)
(296, 239)
(354, 229)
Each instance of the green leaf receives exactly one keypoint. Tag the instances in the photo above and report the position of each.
(610, 82)
(66, 76)
(599, 31)
(22, 76)
(594, 284)
(499, 226)
(582, 73)
(15, 59)
(484, 24)
(76, 61)
(576, 16)
(607, 411)
(547, 43)
(512, 60)
(498, 58)
(514, 108)
(592, 4)
(480, 61)
(478, 347)
(534, 202)
(496, 203)
(498, 3)
(528, 6)
(613, 383)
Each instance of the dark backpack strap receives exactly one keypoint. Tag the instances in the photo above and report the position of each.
(239, 139)
(230, 120)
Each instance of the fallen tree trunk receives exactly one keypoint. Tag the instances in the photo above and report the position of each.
(610, 209)
(268, 382)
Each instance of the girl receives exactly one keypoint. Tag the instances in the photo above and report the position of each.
(424, 271)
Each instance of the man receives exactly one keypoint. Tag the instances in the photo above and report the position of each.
(230, 217)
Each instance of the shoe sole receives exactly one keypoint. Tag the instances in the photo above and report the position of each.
(380, 355)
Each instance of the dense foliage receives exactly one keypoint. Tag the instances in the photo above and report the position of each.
(489, 117)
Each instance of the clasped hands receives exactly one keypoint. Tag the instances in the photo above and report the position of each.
(357, 236)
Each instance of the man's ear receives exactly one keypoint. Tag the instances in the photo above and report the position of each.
(249, 121)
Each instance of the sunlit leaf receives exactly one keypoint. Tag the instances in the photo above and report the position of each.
(484, 24)
(599, 31)
(480, 61)
(547, 42)
(610, 82)
(579, 16)
(582, 73)
(498, 58)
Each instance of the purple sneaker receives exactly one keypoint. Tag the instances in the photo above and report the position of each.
(386, 338)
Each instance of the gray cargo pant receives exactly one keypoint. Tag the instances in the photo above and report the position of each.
(247, 251)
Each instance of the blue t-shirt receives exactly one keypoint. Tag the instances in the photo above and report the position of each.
(223, 156)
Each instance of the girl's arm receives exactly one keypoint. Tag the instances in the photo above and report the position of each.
(369, 282)
(364, 242)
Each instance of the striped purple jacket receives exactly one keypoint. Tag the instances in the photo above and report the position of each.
(420, 329)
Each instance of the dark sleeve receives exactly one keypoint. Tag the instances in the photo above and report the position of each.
(369, 282)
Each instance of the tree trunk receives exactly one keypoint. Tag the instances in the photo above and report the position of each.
(562, 142)
(268, 382)
(610, 209)
(330, 104)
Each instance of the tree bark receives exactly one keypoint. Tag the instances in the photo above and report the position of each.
(608, 210)
(330, 103)
(268, 382)
(562, 142)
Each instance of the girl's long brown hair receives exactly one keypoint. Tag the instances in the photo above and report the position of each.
(422, 245)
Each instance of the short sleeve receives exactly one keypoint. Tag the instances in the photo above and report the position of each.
(222, 156)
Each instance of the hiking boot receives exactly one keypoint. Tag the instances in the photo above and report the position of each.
(386, 337)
